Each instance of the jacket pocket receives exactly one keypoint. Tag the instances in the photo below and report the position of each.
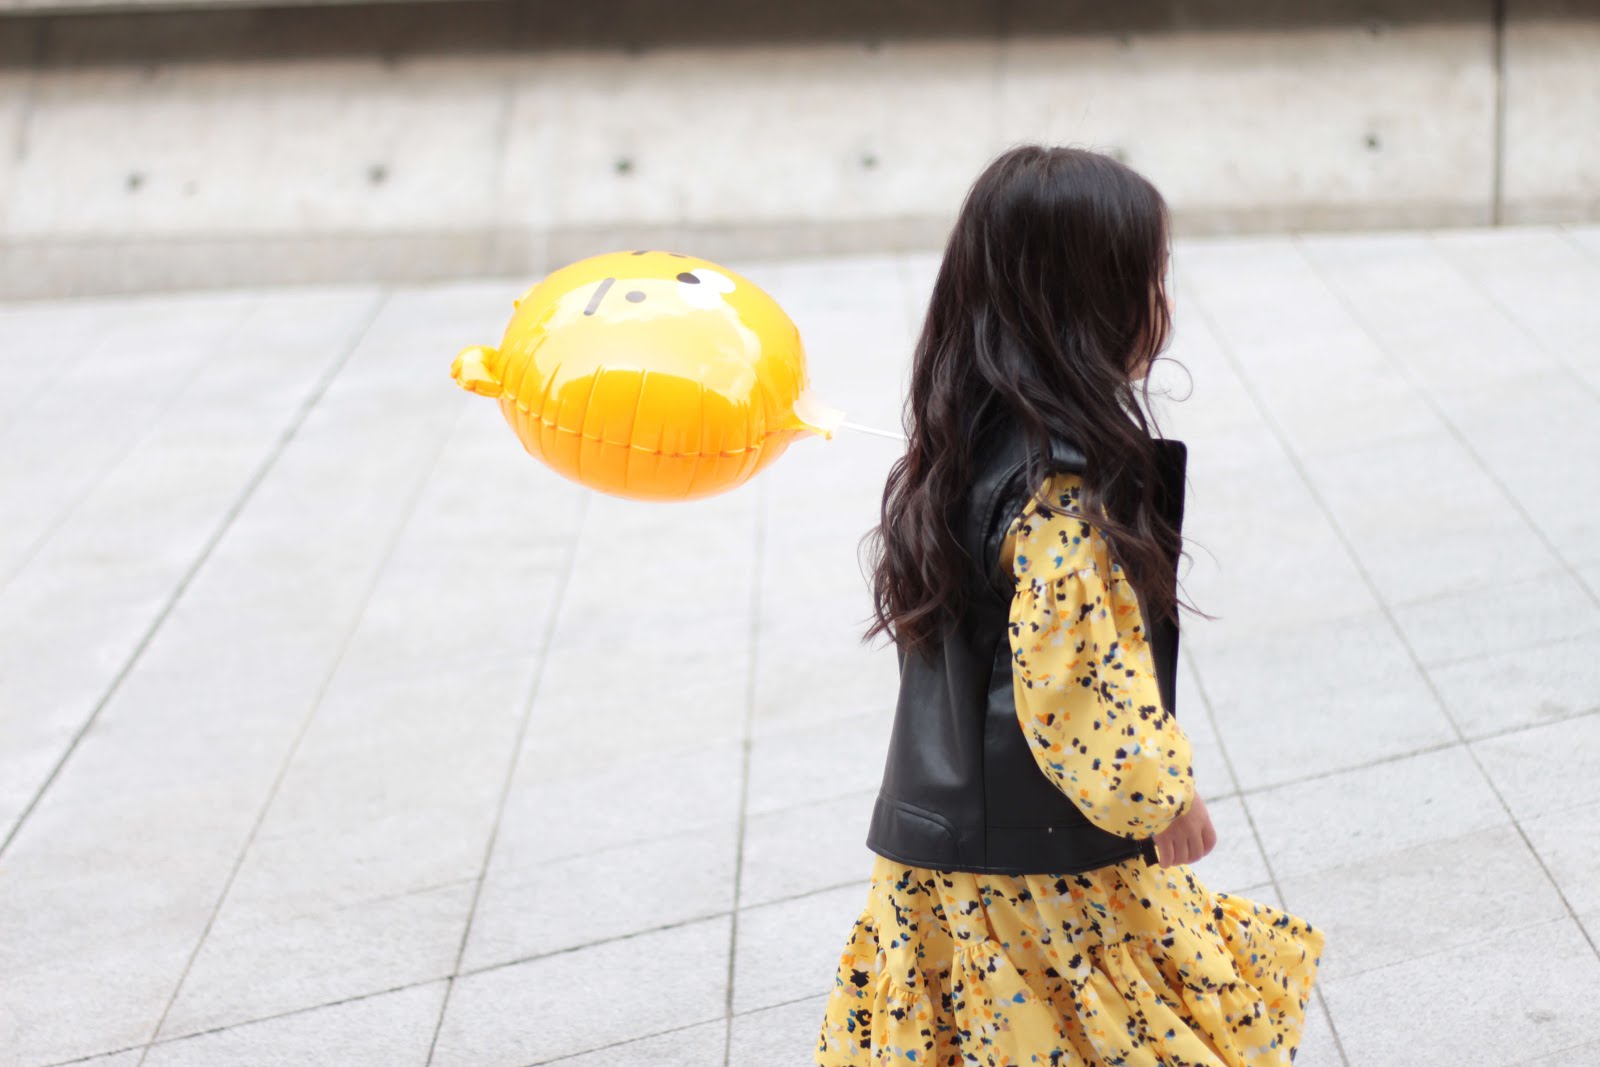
(910, 834)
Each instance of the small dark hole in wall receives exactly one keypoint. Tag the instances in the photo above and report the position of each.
(624, 165)
(135, 180)
(377, 174)
(1373, 143)
(869, 161)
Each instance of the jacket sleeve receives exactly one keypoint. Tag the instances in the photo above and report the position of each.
(1084, 678)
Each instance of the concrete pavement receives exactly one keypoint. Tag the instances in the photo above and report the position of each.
(334, 729)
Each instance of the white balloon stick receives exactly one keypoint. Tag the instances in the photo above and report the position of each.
(869, 429)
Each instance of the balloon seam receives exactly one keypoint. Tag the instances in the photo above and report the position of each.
(642, 448)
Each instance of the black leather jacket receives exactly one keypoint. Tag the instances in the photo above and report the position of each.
(961, 789)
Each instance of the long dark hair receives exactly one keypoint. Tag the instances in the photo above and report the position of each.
(1050, 294)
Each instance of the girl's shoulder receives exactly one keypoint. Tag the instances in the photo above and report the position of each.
(1061, 540)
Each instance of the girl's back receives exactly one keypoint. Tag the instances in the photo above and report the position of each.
(1128, 962)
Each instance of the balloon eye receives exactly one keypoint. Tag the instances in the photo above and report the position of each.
(703, 288)
(635, 296)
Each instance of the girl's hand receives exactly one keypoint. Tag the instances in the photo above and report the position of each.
(1188, 837)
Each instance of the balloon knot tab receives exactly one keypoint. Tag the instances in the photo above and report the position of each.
(816, 416)
(473, 370)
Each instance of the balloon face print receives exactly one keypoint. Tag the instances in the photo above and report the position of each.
(650, 375)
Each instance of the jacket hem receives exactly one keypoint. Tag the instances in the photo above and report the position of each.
(1145, 850)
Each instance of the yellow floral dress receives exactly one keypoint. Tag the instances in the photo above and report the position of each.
(1129, 965)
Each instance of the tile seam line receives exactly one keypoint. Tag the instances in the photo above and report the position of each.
(746, 746)
(565, 1056)
(139, 438)
(1225, 346)
(721, 913)
(559, 952)
(864, 793)
(689, 920)
(1565, 233)
(420, 983)
(1512, 317)
(1261, 848)
(1544, 1057)
(529, 701)
(1394, 757)
(306, 720)
(1521, 928)
(251, 486)
(1226, 349)
(1290, 453)
(444, 977)
(1311, 264)
(405, 988)
(1549, 644)
(242, 1023)
(1432, 402)
(535, 957)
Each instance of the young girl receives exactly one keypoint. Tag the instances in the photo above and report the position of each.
(1031, 901)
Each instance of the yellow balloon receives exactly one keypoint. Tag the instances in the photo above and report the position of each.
(650, 375)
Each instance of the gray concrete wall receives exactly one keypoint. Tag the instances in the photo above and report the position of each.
(151, 150)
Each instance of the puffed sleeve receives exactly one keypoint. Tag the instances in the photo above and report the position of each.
(1084, 677)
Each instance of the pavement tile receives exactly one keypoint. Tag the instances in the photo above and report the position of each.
(690, 1046)
(1211, 774)
(1372, 811)
(1309, 698)
(1521, 687)
(1432, 320)
(1546, 607)
(251, 971)
(1316, 361)
(1542, 281)
(1545, 768)
(580, 1000)
(79, 592)
(1262, 556)
(1433, 523)
(387, 1030)
(805, 848)
(823, 761)
(256, 633)
(1475, 885)
(1564, 837)
(1541, 471)
(789, 950)
(1517, 993)
(556, 809)
(782, 1036)
(564, 903)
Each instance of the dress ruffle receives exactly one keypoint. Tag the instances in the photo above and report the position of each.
(1129, 965)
